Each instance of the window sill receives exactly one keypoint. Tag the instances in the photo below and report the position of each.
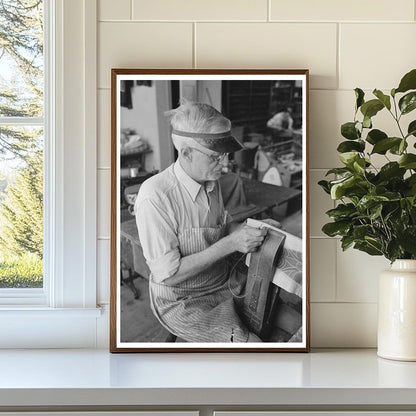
(39, 327)
(29, 311)
(330, 379)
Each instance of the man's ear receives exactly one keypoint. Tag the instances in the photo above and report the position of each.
(186, 153)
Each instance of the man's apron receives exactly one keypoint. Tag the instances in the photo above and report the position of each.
(200, 309)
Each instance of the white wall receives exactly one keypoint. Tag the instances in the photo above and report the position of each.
(344, 43)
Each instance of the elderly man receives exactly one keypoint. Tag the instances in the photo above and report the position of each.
(186, 234)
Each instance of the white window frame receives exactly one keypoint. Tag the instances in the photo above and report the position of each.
(64, 313)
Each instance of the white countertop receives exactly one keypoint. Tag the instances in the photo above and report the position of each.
(96, 377)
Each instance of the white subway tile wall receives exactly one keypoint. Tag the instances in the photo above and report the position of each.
(104, 128)
(355, 10)
(104, 202)
(344, 44)
(142, 45)
(114, 10)
(375, 55)
(328, 109)
(103, 270)
(270, 45)
(357, 275)
(349, 325)
(323, 269)
(201, 10)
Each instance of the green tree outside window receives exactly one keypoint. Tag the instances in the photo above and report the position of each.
(21, 143)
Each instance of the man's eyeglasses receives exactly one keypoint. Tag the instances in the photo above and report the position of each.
(214, 158)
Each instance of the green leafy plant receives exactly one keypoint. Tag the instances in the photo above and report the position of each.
(376, 212)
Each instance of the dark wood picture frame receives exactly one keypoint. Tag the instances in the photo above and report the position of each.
(291, 88)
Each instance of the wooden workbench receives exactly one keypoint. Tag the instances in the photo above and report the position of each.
(268, 195)
(263, 195)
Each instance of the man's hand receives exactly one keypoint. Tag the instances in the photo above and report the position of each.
(247, 239)
(272, 222)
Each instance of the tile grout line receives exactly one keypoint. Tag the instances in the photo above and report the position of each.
(336, 272)
(131, 9)
(269, 10)
(350, 302)
(322, 237)
(319, 169)
(308, 22)
(338, 66)
(194, 63)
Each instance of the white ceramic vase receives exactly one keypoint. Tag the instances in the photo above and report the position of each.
(397, 312)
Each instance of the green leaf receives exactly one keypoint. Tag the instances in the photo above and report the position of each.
(391, 170)
(338, 189)
(336, 228)
(408, 82)
(411, 130)
(359, 165)
(398, 149)
(351, 187)
(375, 136)
(393, 92)
(369, 201)
(348, 158)
(407, 240)
(391, 212)
(393, 250)
(359, 95)
(342, 211)
(413, 211)
(374, 242)
(349, 131)
(412, 201)
(408, 102)
(338, 171)
(371, 108)
(375, 212)
(408, 161)
(361, 231)
(325, 186)
(367, 248)
(385, 99)
(349, 146)
(402, 146)
(411, 180)
(403, 205)
(346, 242)
(367, 122)
(342, 179)
(385, 144)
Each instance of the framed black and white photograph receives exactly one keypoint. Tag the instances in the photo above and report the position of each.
(209, 210)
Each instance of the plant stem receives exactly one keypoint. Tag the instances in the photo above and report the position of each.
(397, 118)
(388, 234)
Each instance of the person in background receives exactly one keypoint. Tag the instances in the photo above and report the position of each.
(282, 123)
(187, 235)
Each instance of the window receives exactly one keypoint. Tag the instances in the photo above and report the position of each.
(63, 312)
(22, 127)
